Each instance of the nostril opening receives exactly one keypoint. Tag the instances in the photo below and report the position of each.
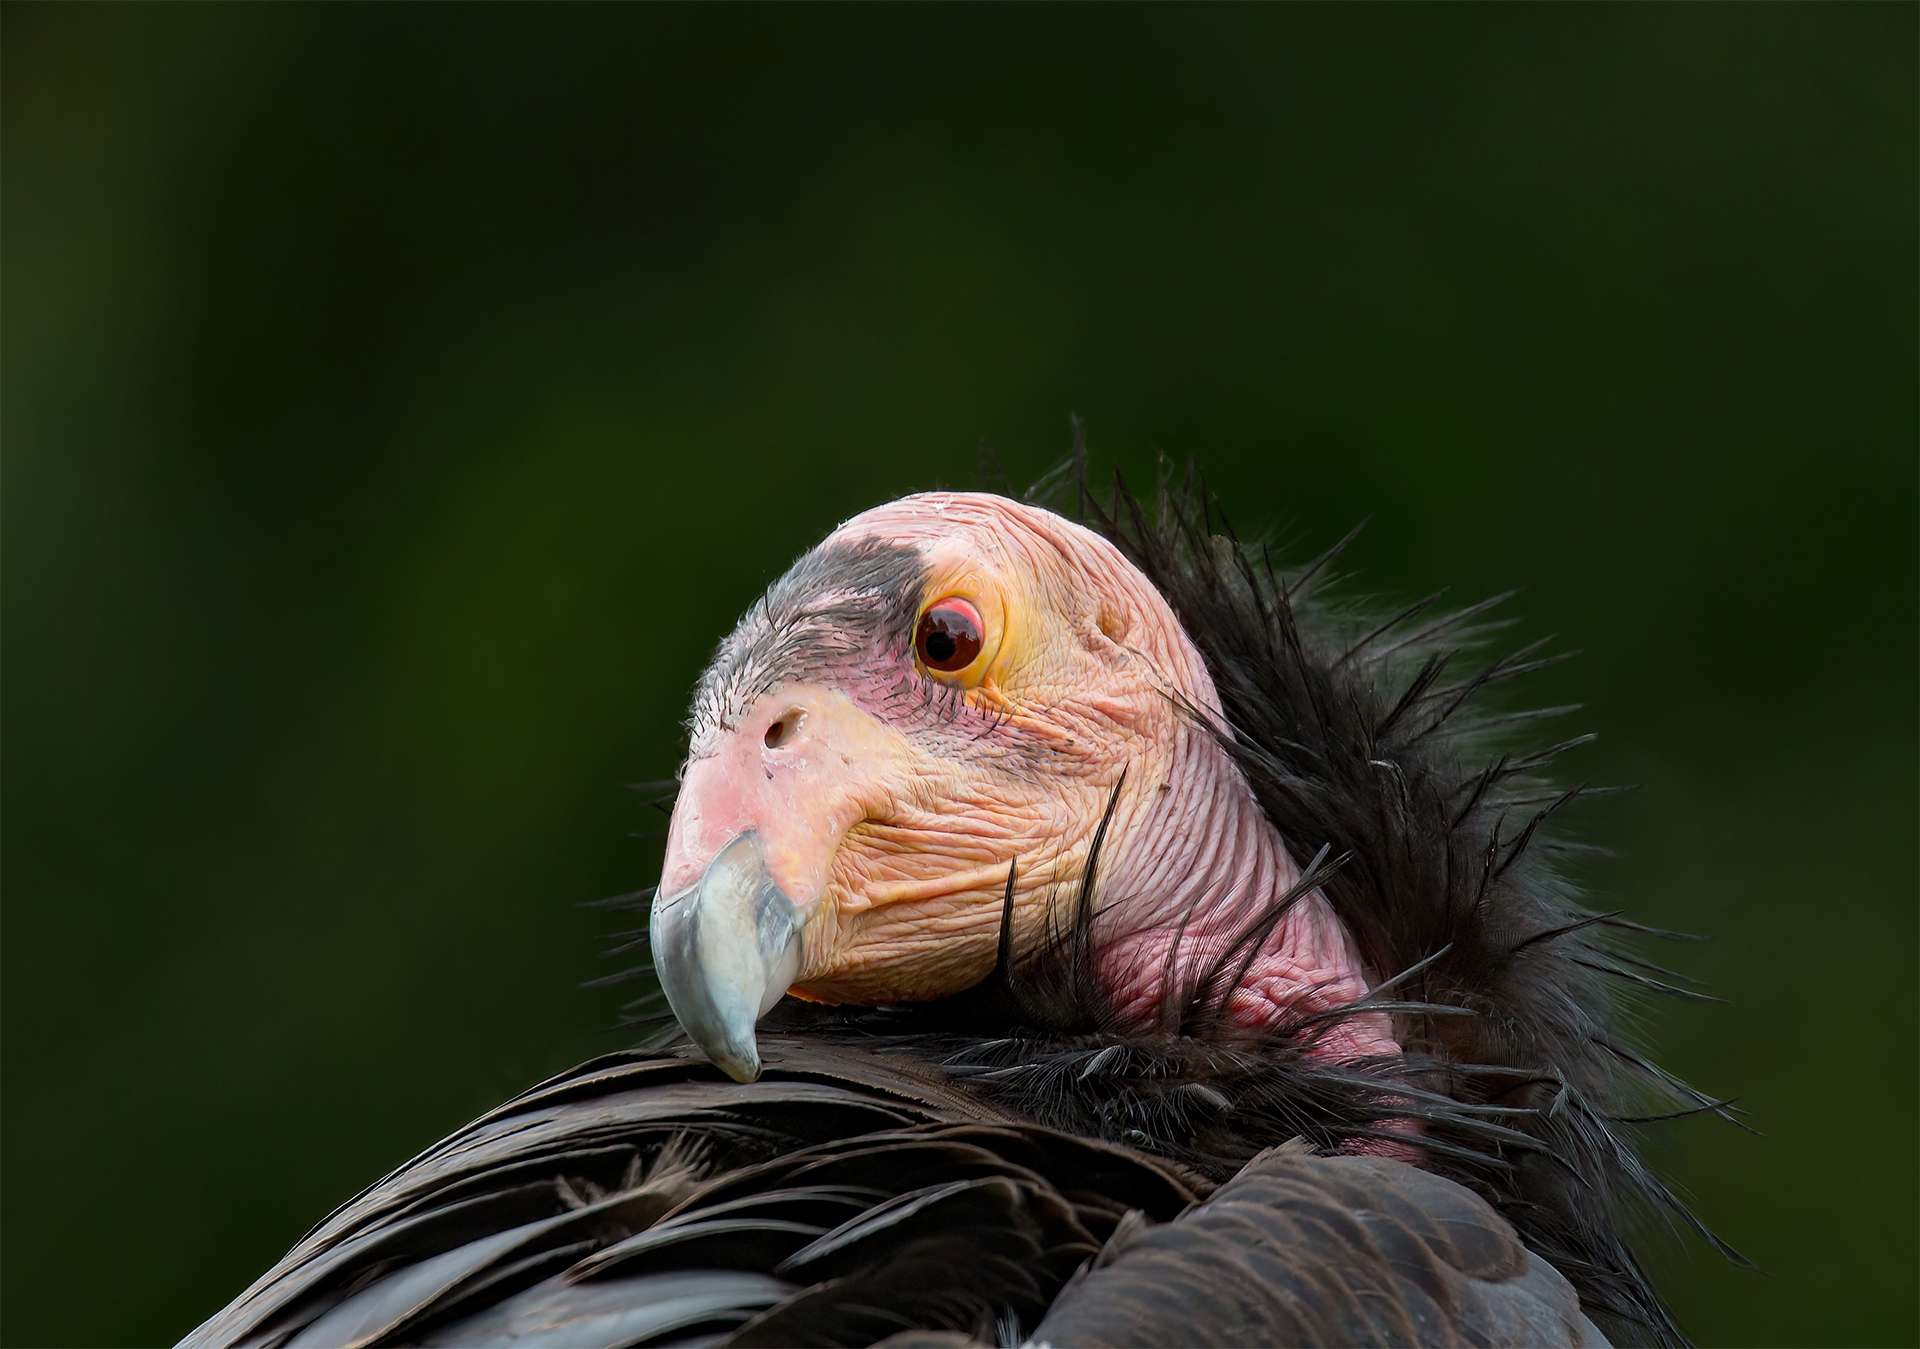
(784, 727)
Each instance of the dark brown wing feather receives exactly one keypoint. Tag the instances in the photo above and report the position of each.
(846, 1198)
(645, 1199)
(1300, 1249)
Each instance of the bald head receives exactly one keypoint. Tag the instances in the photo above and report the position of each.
(940, 700)
(1060, 609)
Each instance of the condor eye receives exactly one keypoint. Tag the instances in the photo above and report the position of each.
(949, 636)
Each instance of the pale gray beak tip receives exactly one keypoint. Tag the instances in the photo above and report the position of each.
(725, 950)
(740, 1067)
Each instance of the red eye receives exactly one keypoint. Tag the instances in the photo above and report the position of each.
(949, 636)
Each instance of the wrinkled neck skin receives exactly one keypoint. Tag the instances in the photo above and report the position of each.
(1195, 861)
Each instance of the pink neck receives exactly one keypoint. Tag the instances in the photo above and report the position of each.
(1199, 863)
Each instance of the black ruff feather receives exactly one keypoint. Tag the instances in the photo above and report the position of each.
(1367, 745)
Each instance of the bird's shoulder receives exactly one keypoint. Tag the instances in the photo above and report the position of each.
(1307, 1249)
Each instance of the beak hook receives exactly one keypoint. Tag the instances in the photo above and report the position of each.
(726, 949)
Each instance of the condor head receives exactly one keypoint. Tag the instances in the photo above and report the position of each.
(914, 749)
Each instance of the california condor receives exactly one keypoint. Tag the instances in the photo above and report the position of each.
(1080, 933)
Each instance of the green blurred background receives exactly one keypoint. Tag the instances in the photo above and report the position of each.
(399, 402)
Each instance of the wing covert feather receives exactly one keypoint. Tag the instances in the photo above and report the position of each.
(1299, 1249)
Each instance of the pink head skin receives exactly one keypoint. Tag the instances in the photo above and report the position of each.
(890, 800)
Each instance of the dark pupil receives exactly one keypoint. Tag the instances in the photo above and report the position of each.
(948, 640)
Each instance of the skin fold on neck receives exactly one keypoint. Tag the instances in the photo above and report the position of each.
(1195, 862)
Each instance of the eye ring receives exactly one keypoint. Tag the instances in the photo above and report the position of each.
(949, 636)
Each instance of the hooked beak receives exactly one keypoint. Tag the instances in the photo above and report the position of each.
(762, 809)
(726, 949)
